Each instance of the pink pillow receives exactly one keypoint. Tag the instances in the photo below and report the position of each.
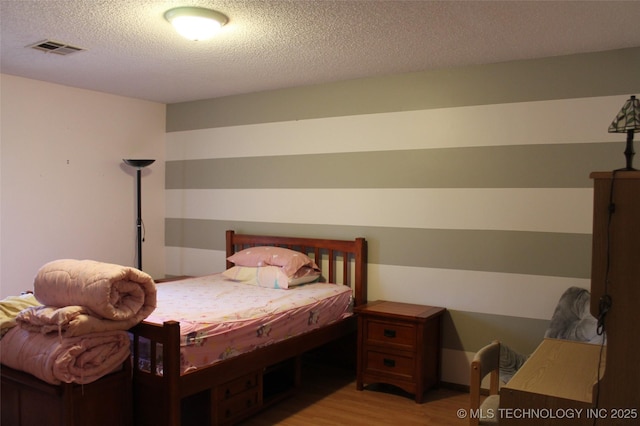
(290, 260)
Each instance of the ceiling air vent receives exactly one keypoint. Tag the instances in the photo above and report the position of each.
(50, 46)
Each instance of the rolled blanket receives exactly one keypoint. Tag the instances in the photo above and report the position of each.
(55, 360)
(107, 290)
(510, 362)
(572, 319)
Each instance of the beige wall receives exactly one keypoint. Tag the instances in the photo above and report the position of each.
(471, 184)
(65, 191)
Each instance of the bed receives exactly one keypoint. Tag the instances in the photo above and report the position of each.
(231, 389)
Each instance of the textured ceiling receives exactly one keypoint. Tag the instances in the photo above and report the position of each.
(132, 51)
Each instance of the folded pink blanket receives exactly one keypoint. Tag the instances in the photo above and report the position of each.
(106, 290)
(68, 321)
(54, 360)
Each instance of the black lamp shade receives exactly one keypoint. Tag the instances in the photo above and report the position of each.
(138, 163)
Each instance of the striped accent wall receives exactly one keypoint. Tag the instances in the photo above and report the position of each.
(478, 201)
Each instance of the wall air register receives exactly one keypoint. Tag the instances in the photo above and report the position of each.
(50, 46)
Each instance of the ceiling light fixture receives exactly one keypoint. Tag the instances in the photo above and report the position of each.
(195, 23)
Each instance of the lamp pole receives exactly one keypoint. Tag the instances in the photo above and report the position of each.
(139, 165)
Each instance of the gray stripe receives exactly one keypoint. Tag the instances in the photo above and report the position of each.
(469, 331)
(532, 253)
(607, 73)
(515, 166)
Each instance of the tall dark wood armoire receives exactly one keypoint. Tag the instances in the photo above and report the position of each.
(615, 274)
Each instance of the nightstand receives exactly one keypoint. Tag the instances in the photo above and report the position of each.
(399, 344)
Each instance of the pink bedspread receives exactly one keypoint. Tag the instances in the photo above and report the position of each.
(220, 318)
(54, 360)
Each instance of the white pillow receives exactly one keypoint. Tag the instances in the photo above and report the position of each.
(271, 276)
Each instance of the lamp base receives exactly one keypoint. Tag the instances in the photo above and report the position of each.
(629, 152)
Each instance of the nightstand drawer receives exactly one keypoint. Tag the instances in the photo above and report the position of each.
(391, 334)
(402, 366)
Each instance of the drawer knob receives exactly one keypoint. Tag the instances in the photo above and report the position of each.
(389, 362)
(389, 333)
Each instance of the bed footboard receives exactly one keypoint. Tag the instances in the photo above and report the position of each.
(156, 374)
(225, 392)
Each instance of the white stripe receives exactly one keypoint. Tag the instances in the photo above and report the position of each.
(517, 295)
(541, 122)
(518, 209)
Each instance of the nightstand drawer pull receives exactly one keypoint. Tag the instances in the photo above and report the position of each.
(389, 333)
(389, 362)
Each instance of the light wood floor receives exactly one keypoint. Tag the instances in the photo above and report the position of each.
(328, 396)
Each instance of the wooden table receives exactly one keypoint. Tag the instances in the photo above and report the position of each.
(555, 386)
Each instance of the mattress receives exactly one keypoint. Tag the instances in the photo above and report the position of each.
(220, 318)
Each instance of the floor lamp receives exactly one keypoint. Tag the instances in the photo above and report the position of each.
(139, 165)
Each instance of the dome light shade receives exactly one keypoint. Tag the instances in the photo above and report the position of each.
(196, 23)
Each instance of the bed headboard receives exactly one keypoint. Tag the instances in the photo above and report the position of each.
(350, 254)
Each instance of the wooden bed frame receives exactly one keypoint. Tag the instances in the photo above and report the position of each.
(238, 387)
